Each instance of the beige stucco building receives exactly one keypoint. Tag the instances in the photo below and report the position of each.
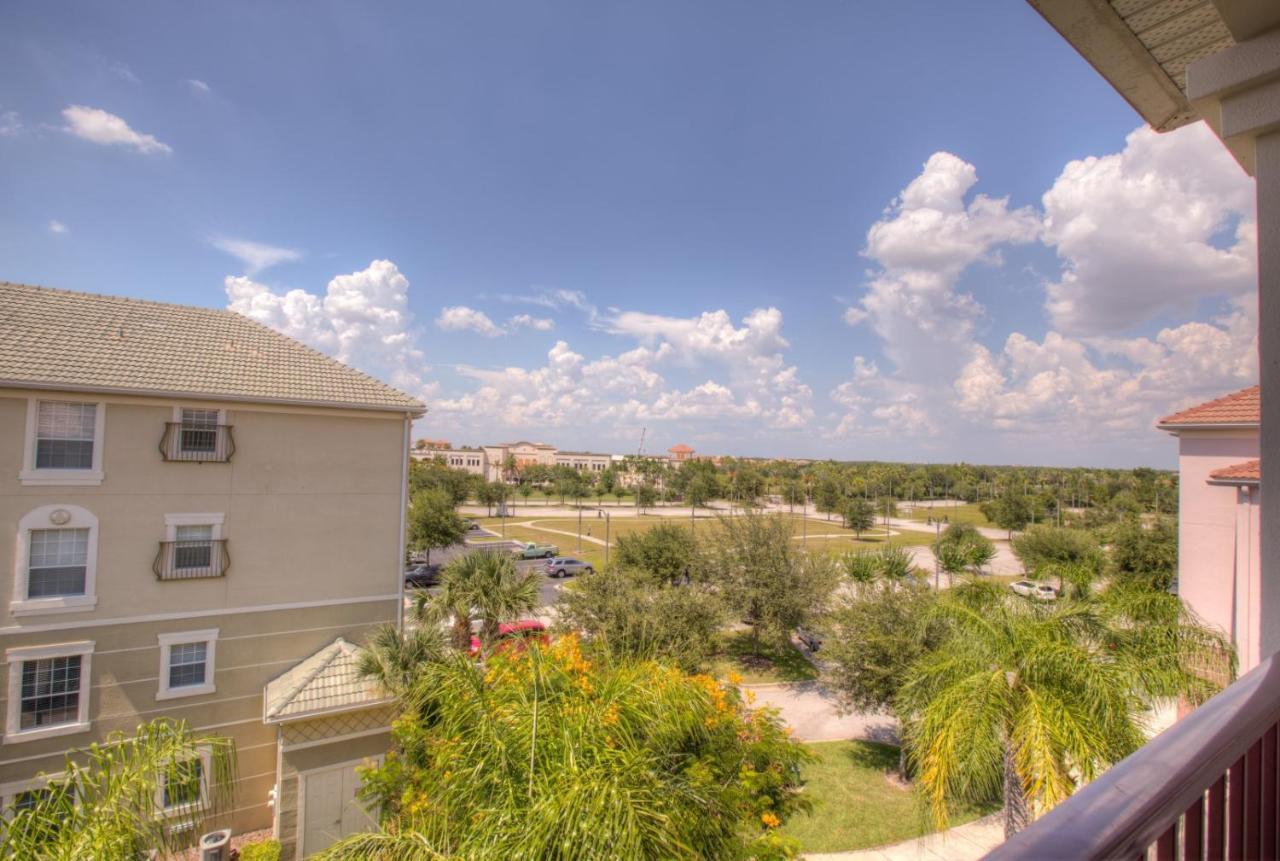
(191, 506)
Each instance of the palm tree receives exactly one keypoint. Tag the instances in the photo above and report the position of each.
(486, 587)
(1023, 697)
(395, 658)
(108, 804)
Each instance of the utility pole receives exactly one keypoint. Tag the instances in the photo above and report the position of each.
(937, 566)
(579, 529)
(606, 538)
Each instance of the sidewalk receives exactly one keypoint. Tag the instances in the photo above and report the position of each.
(963, 843)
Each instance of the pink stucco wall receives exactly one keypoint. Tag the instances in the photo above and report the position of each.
(1219, 571)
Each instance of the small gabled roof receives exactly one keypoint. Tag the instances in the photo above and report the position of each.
(328, 681)
(59, 339)
(1249, 472)
(1242, 408)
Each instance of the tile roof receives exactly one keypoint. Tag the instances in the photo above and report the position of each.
(327, 681)
(680, 447)
(63, 339)
(1246, 473)
(1238, 408)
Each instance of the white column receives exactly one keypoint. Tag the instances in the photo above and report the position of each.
(1268, 174)
(1237, 91)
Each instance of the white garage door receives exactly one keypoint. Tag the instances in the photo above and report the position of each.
(330, 808)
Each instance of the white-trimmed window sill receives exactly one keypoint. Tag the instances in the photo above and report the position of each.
(46, 606)
(45, 732)
(188, 691)
(60, 477)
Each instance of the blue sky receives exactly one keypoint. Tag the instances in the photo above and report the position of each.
(902, 231)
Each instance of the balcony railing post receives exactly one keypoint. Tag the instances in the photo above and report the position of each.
(1235, 809)
(192, 560)
(197, 443)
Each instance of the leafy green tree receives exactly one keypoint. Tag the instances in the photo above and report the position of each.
(872, 639)
(646, 496)
(1009, 512)
(434, 474)
(108, 805)
(548, 753)
(1043, 548)
(663, 554)
(858, 515)
(962, 548)
(702, 488)
(1147, 555)
(766, 580)
(826, 496)
(525, 490)
(1019, 698)
(433, 522)
(626, 613)
(488, 494)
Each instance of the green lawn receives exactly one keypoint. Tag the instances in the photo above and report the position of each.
(821, 535)
(774, 663)
(855, 805)
(967, 513)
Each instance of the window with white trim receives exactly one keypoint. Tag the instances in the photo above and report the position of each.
(64, 442)
(22, 795)
(184, 783)
(48, 691)
(187, 663)
(198, 433)
(56, 561)
(192, 546)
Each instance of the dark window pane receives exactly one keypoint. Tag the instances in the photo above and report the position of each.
(64, 454)
(53, 582)
(193, 554)
(50, 692)
(182, 783)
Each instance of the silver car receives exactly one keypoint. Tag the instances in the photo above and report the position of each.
(561, 566)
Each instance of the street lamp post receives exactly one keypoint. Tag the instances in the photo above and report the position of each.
(937, 568)
(579, 528)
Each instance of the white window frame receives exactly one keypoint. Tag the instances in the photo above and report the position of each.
(205, 754)
(10, 791)
(177, 418)
(212, 519)
(43, 518)
(15, 659)
(31, 476)
(167, 641)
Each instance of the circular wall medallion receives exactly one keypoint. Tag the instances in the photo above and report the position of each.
(59, 516)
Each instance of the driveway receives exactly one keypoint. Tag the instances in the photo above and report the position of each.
(813, 714)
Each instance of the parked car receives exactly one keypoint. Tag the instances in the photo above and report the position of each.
(513, 635)
(530, 550)
(421, 576)
(811, 639)
(1046, 592)
(1032, 589)
(470, 524)
(561, 566)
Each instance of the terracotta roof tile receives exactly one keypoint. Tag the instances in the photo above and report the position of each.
(56, 338)
(1249, 471)
(1242, 407)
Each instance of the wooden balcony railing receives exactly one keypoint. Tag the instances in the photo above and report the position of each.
(197, 443)
(191, 560)
(1206, 788)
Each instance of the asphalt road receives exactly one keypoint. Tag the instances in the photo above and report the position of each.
(548, 588)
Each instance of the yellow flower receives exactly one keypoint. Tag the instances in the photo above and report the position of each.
(770, 820)
(735, 678)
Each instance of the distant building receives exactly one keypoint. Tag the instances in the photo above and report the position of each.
(1219, 525)
(491, 461)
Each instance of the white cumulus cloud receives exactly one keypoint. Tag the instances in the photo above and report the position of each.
(100, 127)
(527, 321)
(256, 256)
(460, 318)
(1156, 227)
(197, 86)
(56, 226)
(362, 319)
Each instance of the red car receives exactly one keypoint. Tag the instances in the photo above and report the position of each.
(515, 634)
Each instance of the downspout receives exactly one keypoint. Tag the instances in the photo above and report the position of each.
(404, 504)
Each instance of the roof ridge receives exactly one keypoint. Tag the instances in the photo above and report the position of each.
(1185, 416)
(323, 659)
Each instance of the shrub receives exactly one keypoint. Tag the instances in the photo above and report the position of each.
(261, 850)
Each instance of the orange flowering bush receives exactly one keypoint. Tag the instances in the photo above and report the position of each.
(549, 753)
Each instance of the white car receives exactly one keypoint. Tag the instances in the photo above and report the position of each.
(1032, 589)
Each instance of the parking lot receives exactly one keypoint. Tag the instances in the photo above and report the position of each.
(548, 589)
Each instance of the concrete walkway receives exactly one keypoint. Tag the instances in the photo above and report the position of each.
(963, 843)
(812, 714)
